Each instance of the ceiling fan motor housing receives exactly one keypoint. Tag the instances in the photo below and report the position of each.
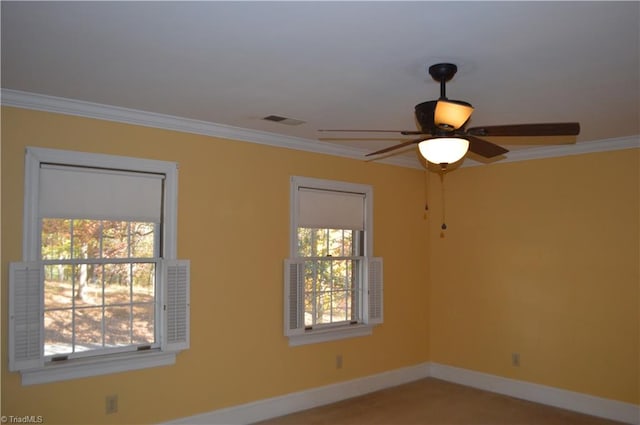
(425, 112)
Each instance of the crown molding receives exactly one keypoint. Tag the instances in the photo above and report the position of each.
(59, 105)
(615, 144)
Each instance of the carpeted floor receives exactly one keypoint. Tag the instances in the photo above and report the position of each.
(432, 401)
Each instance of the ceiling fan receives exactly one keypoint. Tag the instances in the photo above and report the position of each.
(443, 137)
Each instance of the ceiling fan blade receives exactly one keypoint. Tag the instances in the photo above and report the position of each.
(397, 139)
(533, 140)
(484, 148)
(394, 147)
(403, 132)
(547, 129)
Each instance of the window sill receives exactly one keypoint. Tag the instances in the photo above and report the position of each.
(330, 334)
(83, 368)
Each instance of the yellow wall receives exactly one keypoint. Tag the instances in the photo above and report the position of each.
(234, 226)
(541, 258)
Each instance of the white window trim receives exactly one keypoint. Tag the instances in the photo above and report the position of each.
(105, 364)
(338, 331)
(87, 367)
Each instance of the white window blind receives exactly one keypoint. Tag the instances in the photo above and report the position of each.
(325, 209)
(93, 193)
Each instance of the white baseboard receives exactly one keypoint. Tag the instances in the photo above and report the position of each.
(277, 406)
(578, 402)
(289, 403)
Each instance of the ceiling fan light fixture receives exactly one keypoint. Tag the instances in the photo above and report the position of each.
(452, 114)
(443, 150)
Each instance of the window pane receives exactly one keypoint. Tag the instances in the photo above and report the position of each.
(308, 309)
(323, 307)
(88, 328)
(144, 323)
(116, 284)
(304, 242)
(309, 276)
(57, 286)
(56, 239)
(86, 238)
(117, 326)
(142, 240)
(87, 288)
(57, 335)
(339, 306)
(143, 282)
(115, 239)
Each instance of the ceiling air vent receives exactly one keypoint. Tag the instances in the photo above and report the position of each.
(283, 120)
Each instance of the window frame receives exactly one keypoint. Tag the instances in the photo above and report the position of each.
(330, 332)
(100, 364)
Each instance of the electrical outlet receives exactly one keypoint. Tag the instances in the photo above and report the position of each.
(111, 404)
(339, 361)
(515, 359)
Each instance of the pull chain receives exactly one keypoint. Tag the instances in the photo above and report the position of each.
(444, 224)
(426, 192)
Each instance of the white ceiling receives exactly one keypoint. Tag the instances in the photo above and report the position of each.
(351, 65)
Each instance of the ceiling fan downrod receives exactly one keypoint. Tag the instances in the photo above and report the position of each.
(443, 72)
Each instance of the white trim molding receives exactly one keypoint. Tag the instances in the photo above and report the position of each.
(551, 396)
(620, 143)
(59, 105)
(294, 402)
(85, 368)
(278, 406)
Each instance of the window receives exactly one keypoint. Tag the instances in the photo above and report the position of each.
(333, 286)
(99, 290)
